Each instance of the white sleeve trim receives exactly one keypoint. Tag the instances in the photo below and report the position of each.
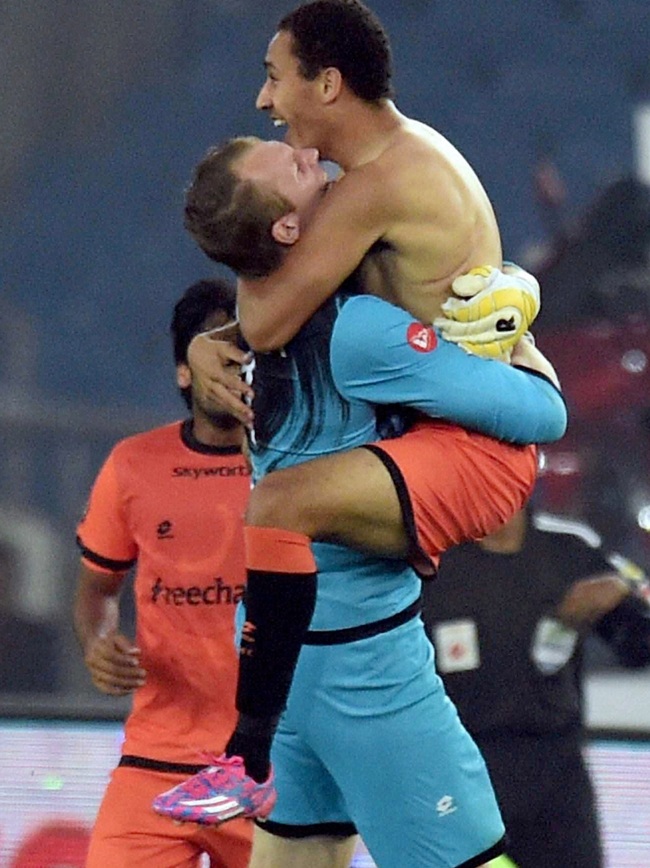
(544, 521)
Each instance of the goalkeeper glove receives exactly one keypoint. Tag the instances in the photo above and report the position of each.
(494, 311)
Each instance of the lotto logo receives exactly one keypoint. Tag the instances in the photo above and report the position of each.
(422, 338)
(165, 530)
(247, 643)
(445, 806)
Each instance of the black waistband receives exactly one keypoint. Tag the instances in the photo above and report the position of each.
(363, 631)
(152, 765)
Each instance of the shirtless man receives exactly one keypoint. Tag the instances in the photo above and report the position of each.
(300, 414)
(409, 209)
(364, 471)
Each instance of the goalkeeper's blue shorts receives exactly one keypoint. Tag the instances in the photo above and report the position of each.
(370, 742)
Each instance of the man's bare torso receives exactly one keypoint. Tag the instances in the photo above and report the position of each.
(440, 222)
(408, 214)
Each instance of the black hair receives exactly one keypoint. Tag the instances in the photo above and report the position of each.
(231, 219)
(619, 219)
(347, 35)
(191, 312)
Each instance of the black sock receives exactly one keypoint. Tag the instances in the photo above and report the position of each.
(279, 608)
(251, 740)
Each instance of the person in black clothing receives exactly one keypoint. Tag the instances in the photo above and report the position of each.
(508, 617)
(29, 658)
(600, 268)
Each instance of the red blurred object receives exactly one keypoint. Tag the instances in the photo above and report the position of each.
(604, 369)
(60, 844)
(600, 470)
(594, 326)
(561, 475)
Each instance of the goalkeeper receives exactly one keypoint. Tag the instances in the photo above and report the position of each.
(445, 485)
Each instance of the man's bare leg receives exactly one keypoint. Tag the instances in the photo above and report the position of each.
(270, 851)
(347, 498)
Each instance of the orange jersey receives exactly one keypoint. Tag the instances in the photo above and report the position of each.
(175, 507)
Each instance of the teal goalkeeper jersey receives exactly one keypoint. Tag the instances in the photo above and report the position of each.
(320, 395)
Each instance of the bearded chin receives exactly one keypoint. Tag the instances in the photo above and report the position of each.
(224, 421)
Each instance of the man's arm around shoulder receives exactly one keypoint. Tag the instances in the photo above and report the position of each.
(350, 218)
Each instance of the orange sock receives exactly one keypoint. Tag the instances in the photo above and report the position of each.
(272, 549)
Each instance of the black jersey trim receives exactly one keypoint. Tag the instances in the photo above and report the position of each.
(106, 563)
(152, 765)
(541, 376)
(417, 557)
(363, 631)
(285, 830)
(189, 440)
(486, 856)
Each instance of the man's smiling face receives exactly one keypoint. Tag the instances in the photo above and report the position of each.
(288, 96)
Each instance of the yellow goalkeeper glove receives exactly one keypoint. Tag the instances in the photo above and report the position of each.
(501, 862)
(490, 311)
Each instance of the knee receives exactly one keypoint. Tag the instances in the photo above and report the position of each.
(275, 502)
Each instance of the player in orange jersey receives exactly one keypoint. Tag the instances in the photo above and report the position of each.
(170, 502)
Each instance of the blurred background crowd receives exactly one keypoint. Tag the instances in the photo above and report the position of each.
(105, 110)
(107, 107)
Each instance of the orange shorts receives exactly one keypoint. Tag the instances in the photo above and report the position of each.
(454, 485)
(127, 832)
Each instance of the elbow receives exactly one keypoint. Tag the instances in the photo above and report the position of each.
(556, 416)
(264, 333)
(555, 428)
(262, 339)
(261, 324)
(561, 416)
